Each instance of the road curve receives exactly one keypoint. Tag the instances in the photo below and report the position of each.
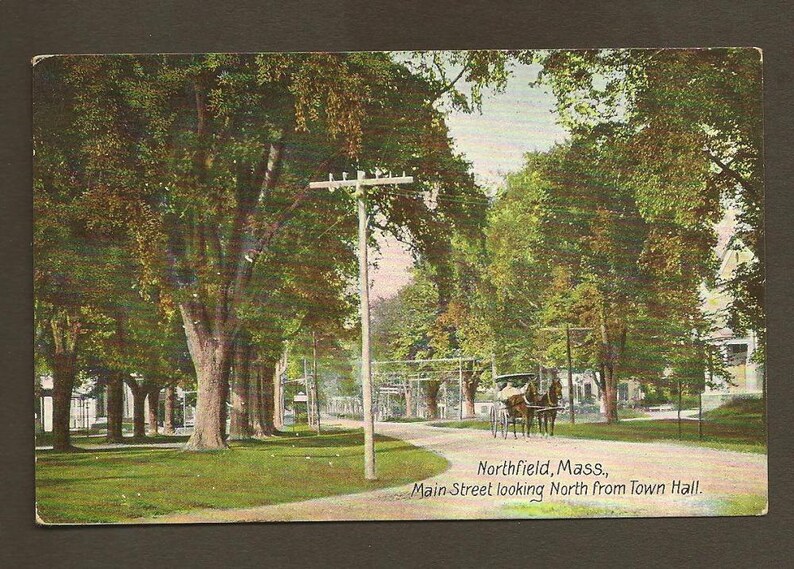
(722, 475)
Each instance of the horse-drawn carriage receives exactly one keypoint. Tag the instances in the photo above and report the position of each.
(519, 401)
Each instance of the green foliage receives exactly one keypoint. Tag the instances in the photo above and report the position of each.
(585, 235)
(694, 121)
(749, 409)
(193, 171)
(149, 482)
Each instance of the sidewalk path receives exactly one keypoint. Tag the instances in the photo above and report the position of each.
(721, 475)
(112, 446)
(686, 415)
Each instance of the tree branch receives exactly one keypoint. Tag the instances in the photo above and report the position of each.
(738, 178)
(449, 86)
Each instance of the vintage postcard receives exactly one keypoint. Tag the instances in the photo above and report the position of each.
(399, 285)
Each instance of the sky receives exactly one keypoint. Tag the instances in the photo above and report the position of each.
(513, 122)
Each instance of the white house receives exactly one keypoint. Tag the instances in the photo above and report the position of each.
(745, 377)
(89, 407)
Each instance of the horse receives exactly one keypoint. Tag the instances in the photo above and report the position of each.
(521, 405)
(549, 399)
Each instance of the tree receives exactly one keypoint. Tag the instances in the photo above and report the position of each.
(694, 115)
(205, 161)
(60, 286)
(574, 240)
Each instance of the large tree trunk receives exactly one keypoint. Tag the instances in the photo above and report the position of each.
(63, 375)
(611, 351)
(610, 395)
(267, 409)
(431, 398)
(255, 410)
(207, 432)
(170, 405)
(63, 362)
(154, 408)
(409, 399)
(242, 379)
(210, 357)
(115, 406)
(469, 394)
(280, 367)
(138, 409)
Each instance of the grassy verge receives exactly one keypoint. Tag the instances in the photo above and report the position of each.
(729, 434)
(562, 510)
(742, 506)
(631, 413)
(123, 484)
(738, 411)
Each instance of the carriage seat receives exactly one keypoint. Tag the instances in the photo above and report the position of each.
(508, 391)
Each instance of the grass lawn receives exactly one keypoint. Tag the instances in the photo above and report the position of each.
(731, 427)
(742, 506)
(631, 413)
(563, 510)
(122, 484)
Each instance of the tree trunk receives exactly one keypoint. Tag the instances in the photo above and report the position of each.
(610, 395)
(63, 374)
(210, 357)
(170, 404)
(240, 427)
(469, 393)
(609, 359)
(207, 432)
(154, 408)
(431, 398)
(255, 410)
(138, 409)
(408, 394)
(268, 400)
(115, 406)
(280, 367)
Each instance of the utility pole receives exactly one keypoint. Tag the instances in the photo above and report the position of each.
(570, 362)
(316, 386)
(679, 407)
(308, 386)
(570, 371)
(360, 184)
(493, 378)
(700, 401)
(460, 389)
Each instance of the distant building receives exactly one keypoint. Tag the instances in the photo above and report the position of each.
(89, 407)
(744, 376)
(587, 390)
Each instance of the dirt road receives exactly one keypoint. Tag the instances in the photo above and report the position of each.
(474, 458)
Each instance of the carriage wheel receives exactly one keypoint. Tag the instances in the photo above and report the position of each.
(505, 425)
(494, 422)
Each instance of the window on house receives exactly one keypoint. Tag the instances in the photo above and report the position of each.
(588, 391)
(623, 392)
(736, 354)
